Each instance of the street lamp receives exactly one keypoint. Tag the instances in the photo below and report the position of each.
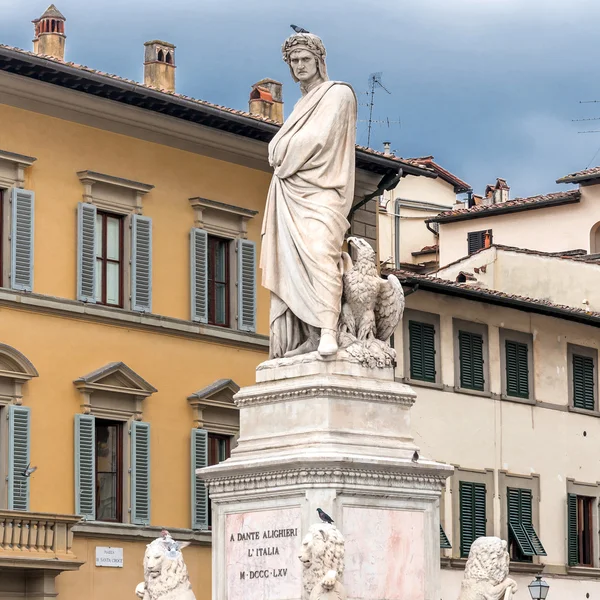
(538, 588)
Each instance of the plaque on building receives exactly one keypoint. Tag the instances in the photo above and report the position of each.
(262, 555)
(109, 557)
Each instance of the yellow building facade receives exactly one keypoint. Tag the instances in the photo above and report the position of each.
(130, 312)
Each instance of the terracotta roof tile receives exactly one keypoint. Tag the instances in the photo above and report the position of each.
(585, 175)
(427, 161)
(532, 202)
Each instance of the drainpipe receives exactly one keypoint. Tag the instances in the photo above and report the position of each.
(397, 233)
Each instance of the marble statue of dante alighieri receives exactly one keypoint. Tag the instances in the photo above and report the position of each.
(307, 206)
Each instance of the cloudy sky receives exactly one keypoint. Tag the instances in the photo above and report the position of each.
(489, 87)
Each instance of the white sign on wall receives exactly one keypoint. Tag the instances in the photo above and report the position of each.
(109, 557)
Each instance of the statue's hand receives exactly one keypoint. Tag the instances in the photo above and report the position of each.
(140, 589)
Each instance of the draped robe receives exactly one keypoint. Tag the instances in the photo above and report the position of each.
(306, 214)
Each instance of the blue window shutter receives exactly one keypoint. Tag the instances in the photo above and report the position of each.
(85, 466)
(141, 263)
(86, 252)
(140, 473)
(246, 284)
(19, 428)
(21, 242)
(199, 493)
(199, 274)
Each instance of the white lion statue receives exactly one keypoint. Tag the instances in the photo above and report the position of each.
(165, 573)
(486, 573)
(322, 555)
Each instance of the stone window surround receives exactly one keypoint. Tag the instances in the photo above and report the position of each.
(590, 490)
(228, 222)
(12, 175)
(219, 396)
(482, 329)
(422, 317)
(122, 197)
(526, 482)
(582, 351)
(474, 476)
(524, 338)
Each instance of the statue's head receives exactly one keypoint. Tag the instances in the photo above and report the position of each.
(488, 560)
(305, 55)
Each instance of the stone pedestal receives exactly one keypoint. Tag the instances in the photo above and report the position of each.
(325, 434)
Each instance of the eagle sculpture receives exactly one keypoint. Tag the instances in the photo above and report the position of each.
(371, 306)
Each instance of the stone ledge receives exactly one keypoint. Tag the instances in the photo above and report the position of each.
(42, 564)
(118, 316)
(126, 531)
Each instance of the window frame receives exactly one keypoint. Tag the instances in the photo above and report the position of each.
(591, 491)
(522, 338)
(572, 350)
(429, 319)
(211, 283)
(104, 260)
(212, 450)
(121, 428)
(581, 502)
(480, 233)
(480, 329)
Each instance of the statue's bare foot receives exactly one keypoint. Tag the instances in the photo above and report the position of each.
(328, 344)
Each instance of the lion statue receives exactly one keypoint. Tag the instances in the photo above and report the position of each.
(322, 556)
(486, 573)
(165, 573)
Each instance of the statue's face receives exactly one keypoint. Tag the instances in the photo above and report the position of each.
(304, 66)
(154, 564)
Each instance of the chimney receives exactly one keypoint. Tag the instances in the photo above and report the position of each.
(49, 34)
(159, 65)
(386, 148)
(266, 100)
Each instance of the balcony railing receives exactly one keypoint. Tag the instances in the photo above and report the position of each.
(36, 535)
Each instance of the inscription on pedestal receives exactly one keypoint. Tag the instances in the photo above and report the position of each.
(385, 553)
(262, 555)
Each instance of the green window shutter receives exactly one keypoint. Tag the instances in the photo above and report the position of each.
(583, 382)
(470, 347)
(517, 369)
(444, 541)
(246, 285)
(86, 252)
(141, 263)
(85, 466)
(572, 541)
(199, 274)
(472, 514)
(21, 240)
(140, 473)
(19, 427)
(422, 351)
(199, 492)
(518, 499)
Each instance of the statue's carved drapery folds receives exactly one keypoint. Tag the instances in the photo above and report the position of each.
(307, 206)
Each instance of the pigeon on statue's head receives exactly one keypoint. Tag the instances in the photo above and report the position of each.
(324, 516)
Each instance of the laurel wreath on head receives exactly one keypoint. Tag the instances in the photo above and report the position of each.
(303, 41)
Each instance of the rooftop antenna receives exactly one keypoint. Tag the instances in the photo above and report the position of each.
(374, 83)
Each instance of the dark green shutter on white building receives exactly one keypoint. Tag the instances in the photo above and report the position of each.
(444, 541)
(140, 473)
(422, 351)
(21, 239)
(472, 514)
(583, 382)
(85, 466)
(19, 427)
(517, 369)
(470, 347)
(572, 530)
(199, 492)
(520, 522)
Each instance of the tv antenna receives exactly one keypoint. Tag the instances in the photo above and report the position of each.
(375, 83)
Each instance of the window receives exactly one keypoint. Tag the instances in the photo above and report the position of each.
(218, 281)
(218, 451)
(582, 375)
(1, 238)
(444, 541)
(523, 541)
(517, 364)
(470, 347)
(472, 506)
(476, 240)
(109, 259)
(580, 530)
(422, 351)
(109, 470)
